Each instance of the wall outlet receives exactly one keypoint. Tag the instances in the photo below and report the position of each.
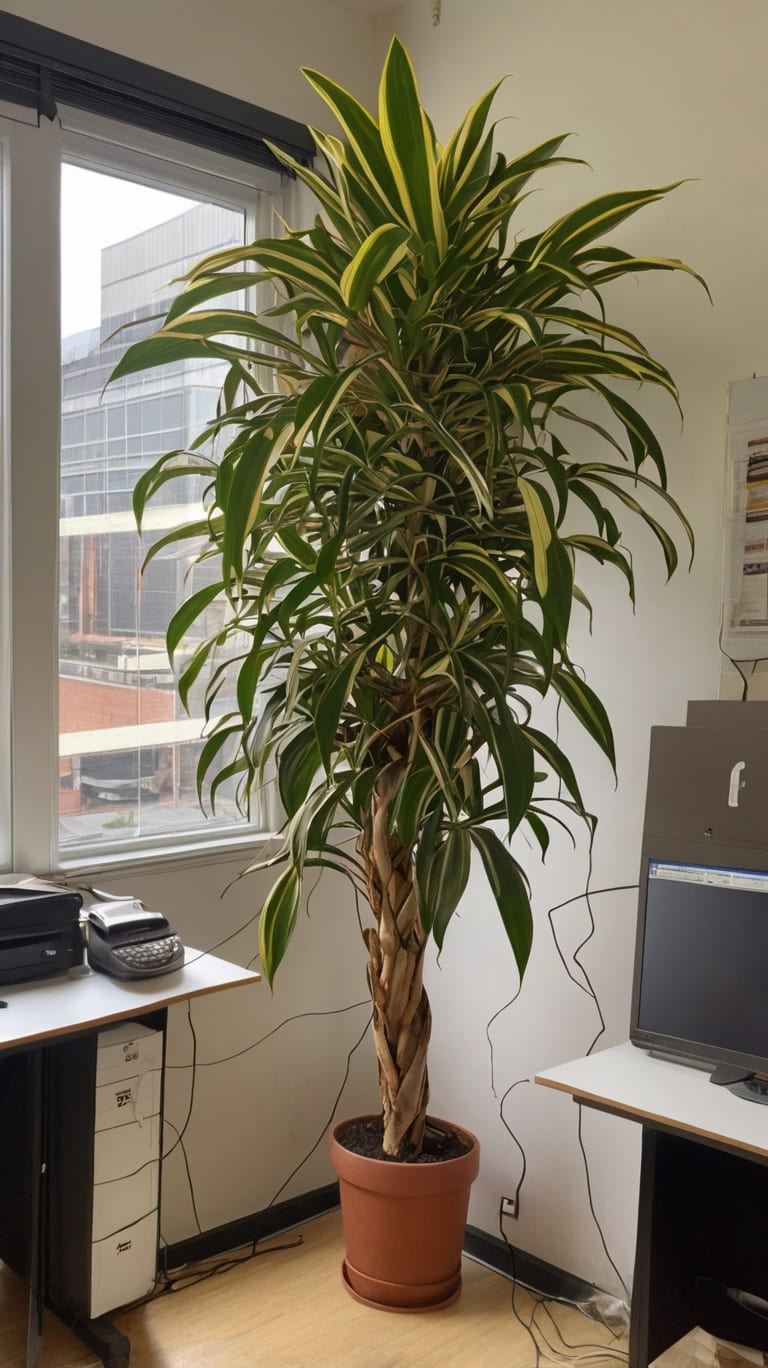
(509, 1206)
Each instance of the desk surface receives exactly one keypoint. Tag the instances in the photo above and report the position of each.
(82, 999)
(627, 1081)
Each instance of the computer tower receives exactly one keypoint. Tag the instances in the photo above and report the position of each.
(103, 1181)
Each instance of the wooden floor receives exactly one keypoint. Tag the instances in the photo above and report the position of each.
(288, 1309)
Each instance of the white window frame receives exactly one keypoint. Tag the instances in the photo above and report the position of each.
(32, 157)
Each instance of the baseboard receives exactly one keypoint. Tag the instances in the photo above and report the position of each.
(258, 1226)
(503, 1258)
(523, 1268)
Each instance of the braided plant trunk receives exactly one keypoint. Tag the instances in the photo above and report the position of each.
(401, 1014)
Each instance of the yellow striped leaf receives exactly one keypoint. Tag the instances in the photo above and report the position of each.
(408, 144)
(381, 252)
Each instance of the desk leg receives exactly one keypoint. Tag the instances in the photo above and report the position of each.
(36, 1239)
(665, 1257)
(109, 1344)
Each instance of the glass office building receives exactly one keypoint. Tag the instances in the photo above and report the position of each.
(127, 750)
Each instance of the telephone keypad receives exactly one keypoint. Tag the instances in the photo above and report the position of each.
(148, 955)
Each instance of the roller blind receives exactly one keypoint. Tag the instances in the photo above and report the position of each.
(41, 68)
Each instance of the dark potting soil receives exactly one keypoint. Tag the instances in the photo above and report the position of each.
(365, 1137)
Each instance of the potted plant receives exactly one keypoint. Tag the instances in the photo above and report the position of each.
(396, 511)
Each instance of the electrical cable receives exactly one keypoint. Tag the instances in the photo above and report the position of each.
(542, 1303)
(592, 1206)
(192, 1274)
(336, 1101)
(193, 1066)
(298, 1016)
(585, 985)
(545, 1306)
(755, 661)
(527, 1326)
(190, 1184)
(488, 1026)
(199, 1272)
(509, 1130)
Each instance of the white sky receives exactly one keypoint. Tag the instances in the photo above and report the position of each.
(97, 210)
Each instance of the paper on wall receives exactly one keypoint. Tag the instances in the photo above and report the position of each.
(745, 595)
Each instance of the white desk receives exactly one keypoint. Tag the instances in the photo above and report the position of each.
(33, 1018)
(703, 1209)
(82, 1000)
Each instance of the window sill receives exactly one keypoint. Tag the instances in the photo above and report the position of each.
(177, 854)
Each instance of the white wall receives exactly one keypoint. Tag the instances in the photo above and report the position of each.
(655, 91)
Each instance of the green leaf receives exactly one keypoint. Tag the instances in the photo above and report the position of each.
(518, 400)
(161, 350)
(511, 750)
(188, 613)
(610, 481)
(331, 703)
(447, 875)
(297, 766)
(425, 849)
(297, 263)
(559, 596)
(214, 744)
(174, 465)
(464, 152)
(409, 147)
(602, 551)
(540, 831)
(483, 572)
(211, 287)
(278, 919)
(241, 505)
(549, 750)
(540, 523)
(586, 706)
(191, 673)
(378, 256)
(594, 219)
(364, 139)
(510, 892)
(415, 792)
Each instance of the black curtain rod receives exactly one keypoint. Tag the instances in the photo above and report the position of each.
(41, 68)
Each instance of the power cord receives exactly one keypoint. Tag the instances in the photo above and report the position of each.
(584, 983)
(543, 1304)
(592, 1208)
(754, 660)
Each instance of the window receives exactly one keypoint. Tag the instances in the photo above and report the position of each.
(127, 751)
(103, 756)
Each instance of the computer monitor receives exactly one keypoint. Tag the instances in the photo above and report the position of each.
(700, 988)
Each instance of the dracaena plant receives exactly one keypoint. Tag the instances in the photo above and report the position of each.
(397, 515)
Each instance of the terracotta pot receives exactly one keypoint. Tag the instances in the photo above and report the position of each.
(404, 1225)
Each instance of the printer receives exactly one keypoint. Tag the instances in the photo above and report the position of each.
(39, 929)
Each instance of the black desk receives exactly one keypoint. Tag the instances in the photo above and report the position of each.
(703, 1208)
(35, 1016)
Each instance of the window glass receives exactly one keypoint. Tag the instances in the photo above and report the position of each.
(127, 750)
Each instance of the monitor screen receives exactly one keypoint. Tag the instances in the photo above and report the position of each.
(701, 969)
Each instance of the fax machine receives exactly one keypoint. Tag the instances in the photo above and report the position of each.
(39, 930)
